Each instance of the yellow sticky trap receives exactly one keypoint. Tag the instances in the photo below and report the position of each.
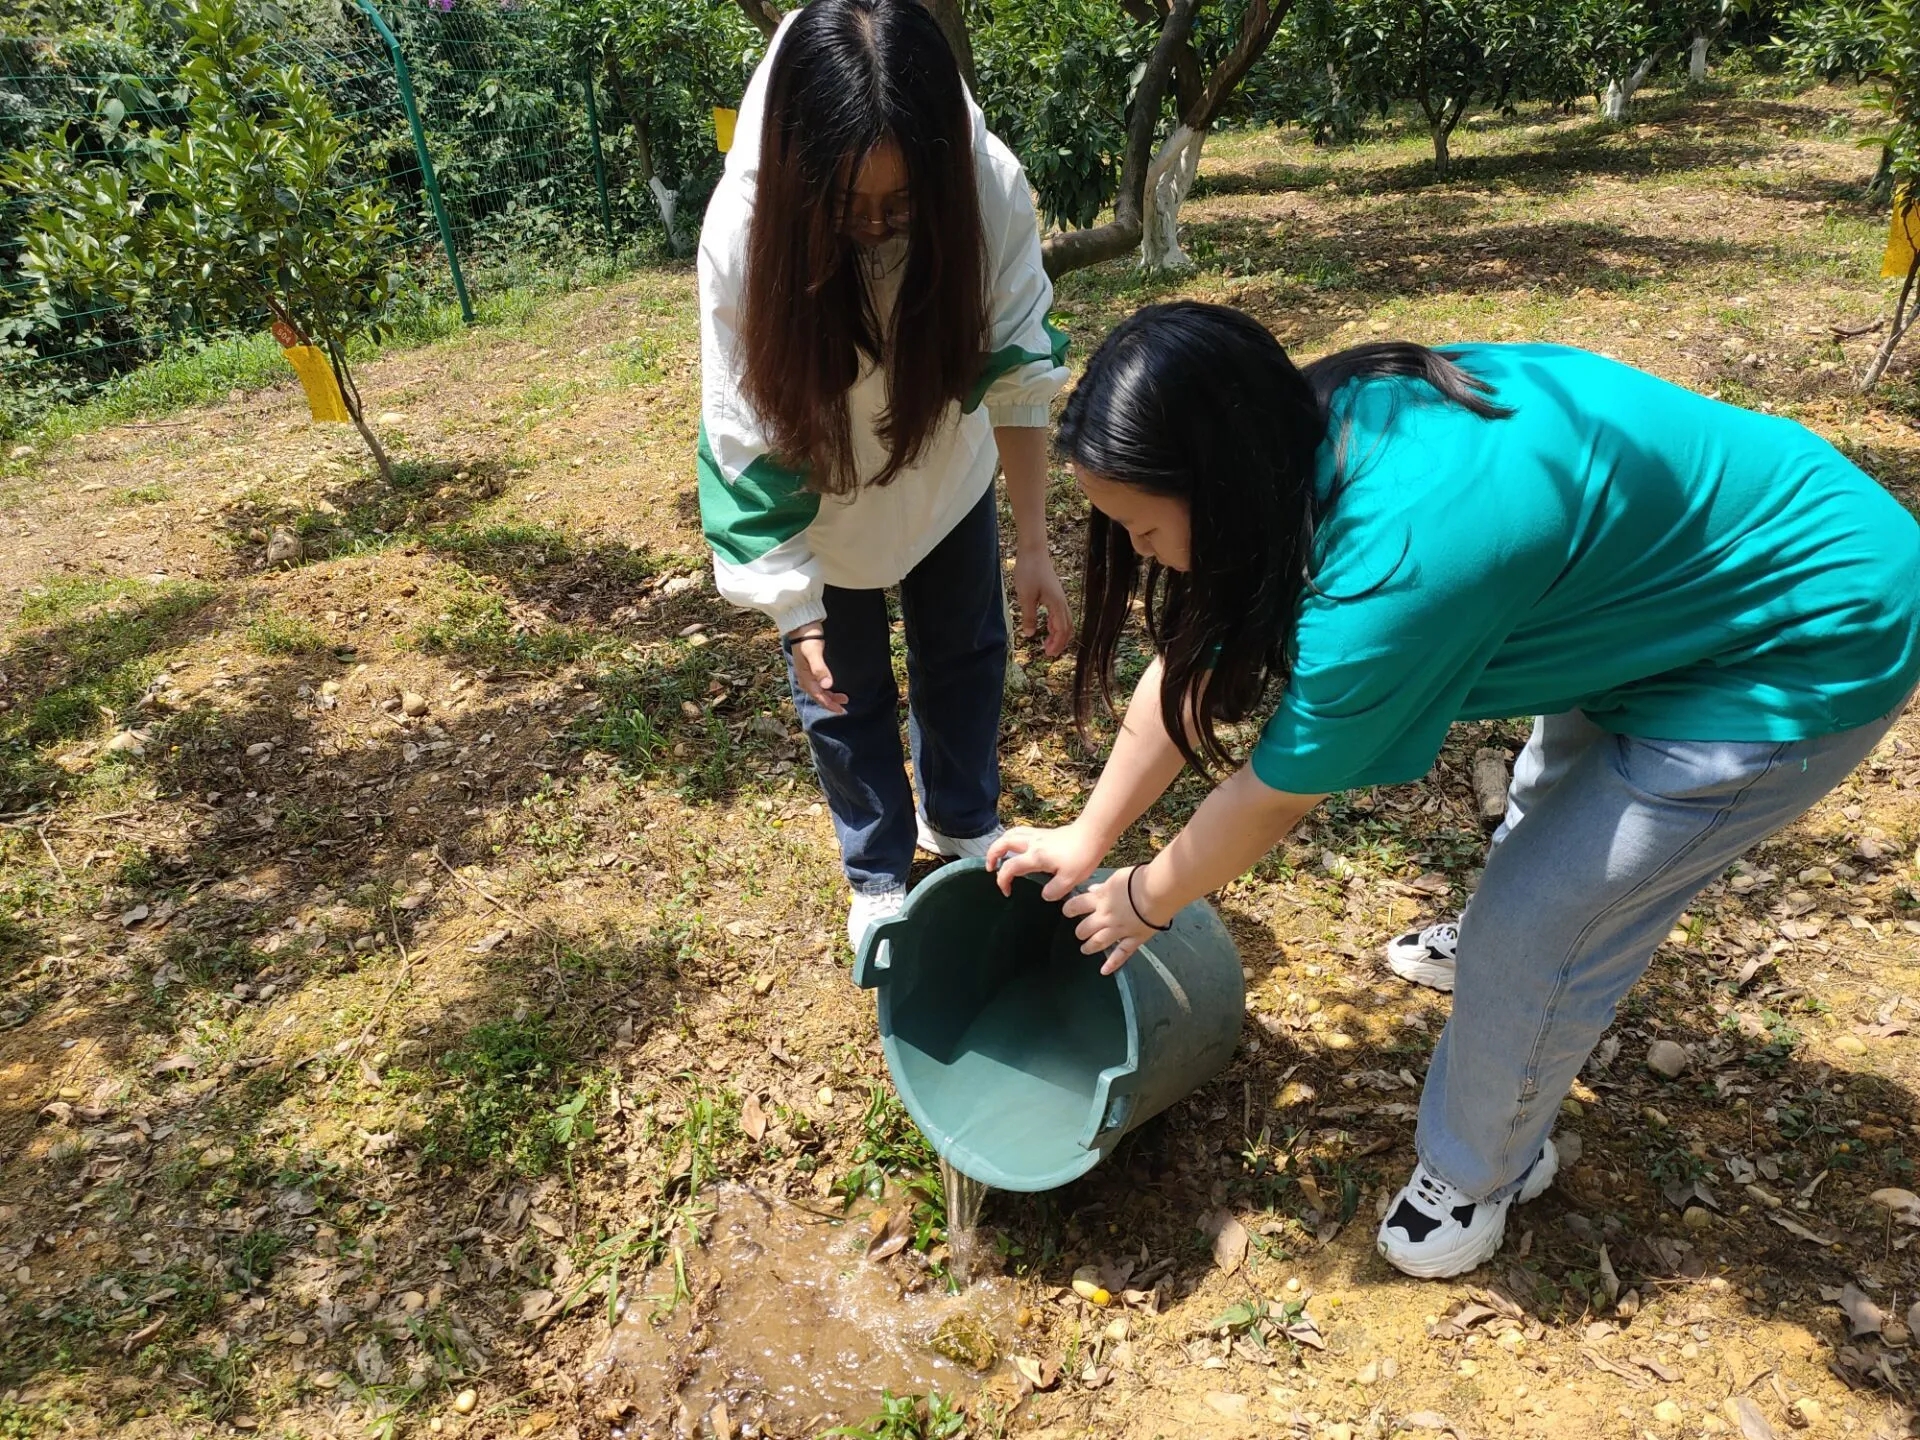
(1903, 238)
(723, 129)
(316, 377)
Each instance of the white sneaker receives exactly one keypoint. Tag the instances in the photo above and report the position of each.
(1426, 956)
(948, 848)
(1433, 1231)
(869, 908)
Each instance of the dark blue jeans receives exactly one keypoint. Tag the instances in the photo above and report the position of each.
(956, 672)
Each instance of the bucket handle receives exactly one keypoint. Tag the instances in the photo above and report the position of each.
(1112, 1109)
(874, 963)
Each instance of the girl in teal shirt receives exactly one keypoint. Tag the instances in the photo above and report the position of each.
(1713, 615)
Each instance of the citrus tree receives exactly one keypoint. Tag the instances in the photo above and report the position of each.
(246, 208)
(1445, 56)
(1897, 97)
(665, 65)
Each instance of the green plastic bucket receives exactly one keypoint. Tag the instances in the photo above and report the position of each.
(1020, 1062)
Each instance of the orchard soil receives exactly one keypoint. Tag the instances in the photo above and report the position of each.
(422, 982)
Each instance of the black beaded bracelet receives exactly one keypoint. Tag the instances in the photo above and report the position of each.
(1140, 914)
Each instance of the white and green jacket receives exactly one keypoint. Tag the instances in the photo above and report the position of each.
(777, 544)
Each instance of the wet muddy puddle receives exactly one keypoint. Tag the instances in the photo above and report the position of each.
(790, 1328)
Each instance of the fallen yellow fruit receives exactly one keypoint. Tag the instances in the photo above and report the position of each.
(1086, 1284)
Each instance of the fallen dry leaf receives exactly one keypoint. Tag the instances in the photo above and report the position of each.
(1863, 1316)
(893, 1239)
(1608, 1278)
(1744, 1412)
(1042, 1375)
(535, 1303)
(1794, 1227)
(1229, 1239)
(753, 1120)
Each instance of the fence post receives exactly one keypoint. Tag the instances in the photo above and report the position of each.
(599, 159)
(427, 175)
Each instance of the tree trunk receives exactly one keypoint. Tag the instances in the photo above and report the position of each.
(1903, 320)
(953, 24)
(1168, 181)
(350, 393)
(1880, 188)
(765, 18)
(1076, 249)
(1620, 92)
(1697, 63)
(667, 199)
(669, 203)
(1441, 159)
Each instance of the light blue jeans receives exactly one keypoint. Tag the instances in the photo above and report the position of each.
(1607, 838)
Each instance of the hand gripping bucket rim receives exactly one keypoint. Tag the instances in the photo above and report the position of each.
(1110, 1110)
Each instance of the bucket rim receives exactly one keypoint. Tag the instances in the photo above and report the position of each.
(1113, 1086)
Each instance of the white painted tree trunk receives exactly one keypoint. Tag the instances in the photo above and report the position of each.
(669, 203)
(1697, 64)
(1169, 179)
(1620, 92)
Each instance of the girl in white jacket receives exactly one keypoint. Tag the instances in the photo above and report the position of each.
(873, 338)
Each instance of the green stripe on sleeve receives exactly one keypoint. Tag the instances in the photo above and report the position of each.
(1012, 357)
(743, 519)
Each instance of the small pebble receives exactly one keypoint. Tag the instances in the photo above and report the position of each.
(1809, 1410)
(1667, 1413)
(465, 1401)
(1850, 1045)
(1666, 1057)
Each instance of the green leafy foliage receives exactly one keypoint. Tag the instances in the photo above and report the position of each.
(1836, 39)
(247, 204)
(907, 1417)
(1056, 77)
(663, 66)
(1443, 55)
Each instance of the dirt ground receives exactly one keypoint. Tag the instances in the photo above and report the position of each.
(423, 998)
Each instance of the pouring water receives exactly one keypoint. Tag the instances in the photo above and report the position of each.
(964, 1196)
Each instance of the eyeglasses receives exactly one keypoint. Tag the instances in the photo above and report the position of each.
(895, 217)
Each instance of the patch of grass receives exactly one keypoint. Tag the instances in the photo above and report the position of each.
(635, 362)
(150, 494)
(191, 374)
(893, 1151)
(221, 1377)
(477, 625)
(85, 669)
(276, 634)
(907, 1417)
(69, 595)
(33, 1419)
(508, 297)
(510, 1080)
(254, 1257)
(517, 548)
(644, 721)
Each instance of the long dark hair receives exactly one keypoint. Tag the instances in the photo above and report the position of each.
(850, 75)
(1201, 402)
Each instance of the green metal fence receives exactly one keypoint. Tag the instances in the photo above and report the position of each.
(472, 114)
